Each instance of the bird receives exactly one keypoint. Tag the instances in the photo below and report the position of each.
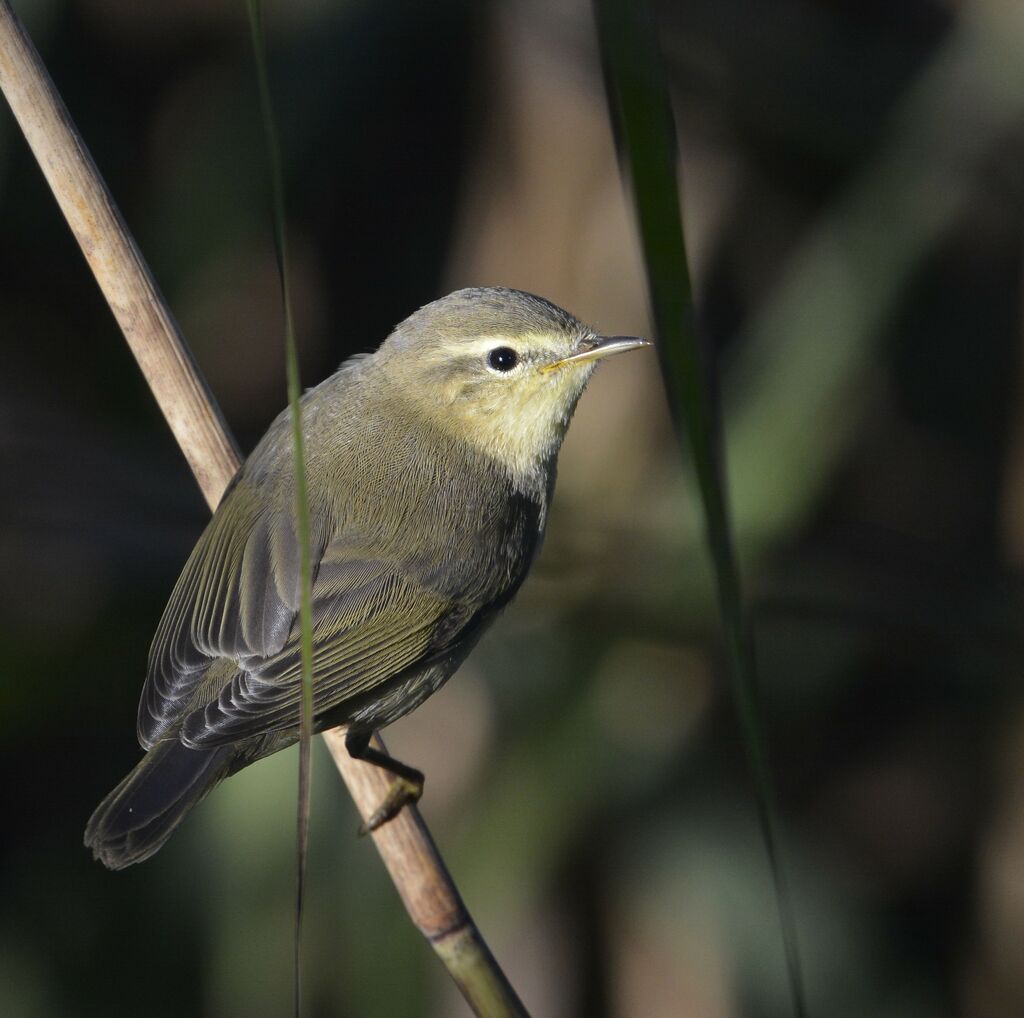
(430, 469)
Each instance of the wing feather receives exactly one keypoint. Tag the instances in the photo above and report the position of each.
(370, 623)
(236, 598)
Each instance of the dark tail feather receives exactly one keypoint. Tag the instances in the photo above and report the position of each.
(141, 813)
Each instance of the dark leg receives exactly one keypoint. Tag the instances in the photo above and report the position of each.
(407, 787)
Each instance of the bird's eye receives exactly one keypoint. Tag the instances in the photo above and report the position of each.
(503, 358)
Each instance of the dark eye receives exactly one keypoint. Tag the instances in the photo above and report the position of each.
(503, 358)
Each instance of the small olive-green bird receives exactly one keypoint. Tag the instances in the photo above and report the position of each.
(430, 470)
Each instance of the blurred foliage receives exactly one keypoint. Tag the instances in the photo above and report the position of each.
(852, 196)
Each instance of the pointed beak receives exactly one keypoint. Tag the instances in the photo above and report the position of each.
(597, 347)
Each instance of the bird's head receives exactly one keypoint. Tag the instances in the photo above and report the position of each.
(500, 369)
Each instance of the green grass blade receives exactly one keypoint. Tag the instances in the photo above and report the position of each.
(642, 114)
(301, 493)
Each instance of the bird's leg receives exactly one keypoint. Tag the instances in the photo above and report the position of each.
(406, 788)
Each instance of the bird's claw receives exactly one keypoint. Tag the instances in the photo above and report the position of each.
(402, 792)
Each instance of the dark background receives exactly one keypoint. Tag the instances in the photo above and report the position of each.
(852, 194)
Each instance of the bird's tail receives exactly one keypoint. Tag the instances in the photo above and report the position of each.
(141, 813)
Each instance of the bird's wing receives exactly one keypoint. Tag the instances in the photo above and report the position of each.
(236, 598)
(372, 619)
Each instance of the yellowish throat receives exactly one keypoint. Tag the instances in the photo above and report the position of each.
(430, 468)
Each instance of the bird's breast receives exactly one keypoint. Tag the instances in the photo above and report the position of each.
(458, 522)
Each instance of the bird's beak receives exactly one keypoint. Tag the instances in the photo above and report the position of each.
(597, 347)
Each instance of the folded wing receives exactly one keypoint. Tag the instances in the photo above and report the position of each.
(371, 621)
(237, 598)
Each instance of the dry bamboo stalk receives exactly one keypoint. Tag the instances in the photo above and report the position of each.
(405, 844)
(115, 261)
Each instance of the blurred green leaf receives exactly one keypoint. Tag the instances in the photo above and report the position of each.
(642, 113)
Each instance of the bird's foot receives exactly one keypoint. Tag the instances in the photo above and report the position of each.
(403, 791)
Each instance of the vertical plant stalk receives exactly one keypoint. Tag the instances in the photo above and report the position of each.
(642, 115)
(302, 527)
(301, 491)
(405, 844)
